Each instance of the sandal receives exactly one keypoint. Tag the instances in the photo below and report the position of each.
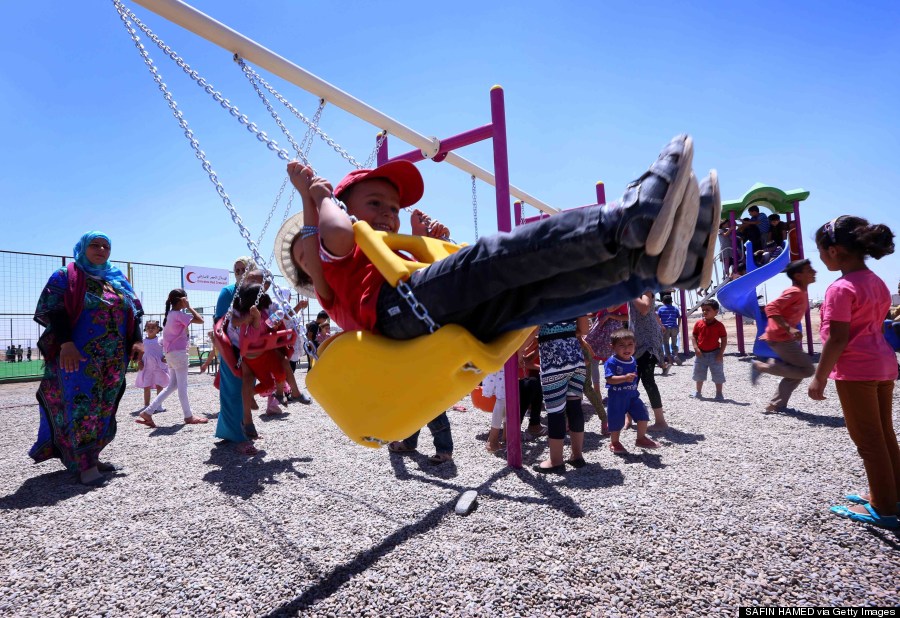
(889, 522)
(439, 458)
(399, 446)
(195, 420)
(246, 448)
(145, 421)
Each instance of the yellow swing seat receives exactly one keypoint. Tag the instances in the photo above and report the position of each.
(404, 384)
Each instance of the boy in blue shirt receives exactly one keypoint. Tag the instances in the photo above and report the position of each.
(621, 382)
(669, 315)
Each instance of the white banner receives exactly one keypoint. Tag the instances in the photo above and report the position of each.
(202, 278)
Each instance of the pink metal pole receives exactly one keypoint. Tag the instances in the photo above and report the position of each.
(504, 224)
(454, 142)
(738, 320)
(684, 325)
(601, 193)
(382, 157)
(809, 337)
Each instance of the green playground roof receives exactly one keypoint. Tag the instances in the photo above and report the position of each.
(773, 198)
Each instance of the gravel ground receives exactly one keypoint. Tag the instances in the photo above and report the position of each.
(732, 511)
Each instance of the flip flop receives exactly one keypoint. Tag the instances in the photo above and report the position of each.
(246, 448)
(889, 522)
(148, 422)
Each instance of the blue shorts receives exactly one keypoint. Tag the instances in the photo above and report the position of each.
(621, 403)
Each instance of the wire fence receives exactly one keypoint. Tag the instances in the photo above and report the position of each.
(23, 276)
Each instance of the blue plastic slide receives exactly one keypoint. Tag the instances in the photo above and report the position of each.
(740, 295)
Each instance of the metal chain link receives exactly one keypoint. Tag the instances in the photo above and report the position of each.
(307, 140)
(260, 135)
(299, 115)
(125, 15)
(293, 320)
(418, 308)
(475, 206)
(378, 142)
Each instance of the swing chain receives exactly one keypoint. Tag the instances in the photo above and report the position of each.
(265, 226)
(417, 307)
(271, 109)
(261, 136)
(475, 206)
(299, 115)
(307, 141)
(125, 15)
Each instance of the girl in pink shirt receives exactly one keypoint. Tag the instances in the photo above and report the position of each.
(859, 360)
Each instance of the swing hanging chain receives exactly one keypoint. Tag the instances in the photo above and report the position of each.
(307, 141)
(372, 155)
(243, 119)
(299, 115)
(265, 226)
(475, 206)
(251, 77)
(418, 309)
(125, 15)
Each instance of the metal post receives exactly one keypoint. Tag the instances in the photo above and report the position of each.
(601, 193)
(684, 324)
(382, 157)
(504, 224)
(808, 321)
(738, 320)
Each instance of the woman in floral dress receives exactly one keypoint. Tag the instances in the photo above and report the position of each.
(92, 327)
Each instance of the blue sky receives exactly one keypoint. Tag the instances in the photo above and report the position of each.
(795, 95)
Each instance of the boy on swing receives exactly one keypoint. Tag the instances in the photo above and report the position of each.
(660, 234)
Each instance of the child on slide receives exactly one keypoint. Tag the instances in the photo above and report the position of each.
(661, 233)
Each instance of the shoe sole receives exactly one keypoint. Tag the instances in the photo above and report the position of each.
(709, 262)
(675, 254)
(662, 227)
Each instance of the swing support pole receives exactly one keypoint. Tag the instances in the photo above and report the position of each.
(215, 32)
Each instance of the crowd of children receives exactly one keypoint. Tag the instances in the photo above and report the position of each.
(541, 275)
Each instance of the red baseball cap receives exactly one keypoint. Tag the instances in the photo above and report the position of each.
(402, 174)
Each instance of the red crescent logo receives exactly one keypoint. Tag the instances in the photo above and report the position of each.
(187, 277)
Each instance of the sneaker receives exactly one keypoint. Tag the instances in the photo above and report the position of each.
(697, 395)
(280, 398)
(720, 397)
(646, 442)
(646, 212)
(699, 247)
(300, 398)
(617, 448)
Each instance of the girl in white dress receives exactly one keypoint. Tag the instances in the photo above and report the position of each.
(152, 369)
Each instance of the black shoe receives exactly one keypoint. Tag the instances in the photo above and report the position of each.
(108, 467)
(700, 249)
(645, 214)
(577, 463)
(560, 469)
(100, 481)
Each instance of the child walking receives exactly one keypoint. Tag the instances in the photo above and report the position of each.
(859, 360)
(152, 369)
(175, 344)
(547, 271)
(709, 338)
(563, 374)
(624, 399)
(670, 316)
(782, 334)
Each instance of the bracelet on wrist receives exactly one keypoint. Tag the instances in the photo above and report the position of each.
(308, 230)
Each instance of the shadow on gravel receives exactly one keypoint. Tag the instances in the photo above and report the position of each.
(446, 470)
(332, 581)
(171, 430)
(890, 538)
(676, 436)
(242, 476)
(813, 419)
(44, 490)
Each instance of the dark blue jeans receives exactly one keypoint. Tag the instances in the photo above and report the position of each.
(440, 432)
(554, 269)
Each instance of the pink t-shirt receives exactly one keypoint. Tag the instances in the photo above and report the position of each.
(862, 299)
(175, 334)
